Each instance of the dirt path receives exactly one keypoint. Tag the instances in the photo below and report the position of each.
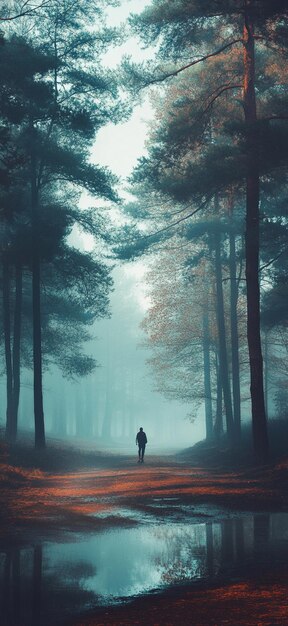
(73, 500)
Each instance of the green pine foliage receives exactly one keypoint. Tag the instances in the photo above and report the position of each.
(54, 97)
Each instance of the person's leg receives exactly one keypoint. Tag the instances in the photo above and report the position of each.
(139, 454)
(143, 452)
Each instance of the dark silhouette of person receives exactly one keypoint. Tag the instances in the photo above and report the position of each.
(141, 441)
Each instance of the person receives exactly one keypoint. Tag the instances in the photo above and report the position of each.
(141, 441)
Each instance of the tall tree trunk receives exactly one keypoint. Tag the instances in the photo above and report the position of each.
(227, 544)
(266, 373)
(262, 536)
(8, 355)
(218, 425)
(36, 306)
(259, 423)
(16, 585)
(209, 549)
(79, 421)
(37, 352)
(131, 405)
(207, 377)
(6, 585)
(234, 337)
(16, 344)
(223, 358)
(239, 539)
(37, 583)
(107, 417)
(95, 403)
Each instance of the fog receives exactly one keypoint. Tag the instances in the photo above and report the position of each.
(106, 408)
(143, 280)
(103, 175)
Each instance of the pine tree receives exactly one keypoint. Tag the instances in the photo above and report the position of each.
(199, 33)
(53, 141)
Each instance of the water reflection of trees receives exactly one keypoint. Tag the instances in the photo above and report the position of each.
(38, 587)
(32, 594)
(184, 553)
(201, 551)
(222, 548)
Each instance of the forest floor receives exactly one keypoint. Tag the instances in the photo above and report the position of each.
(60, 490)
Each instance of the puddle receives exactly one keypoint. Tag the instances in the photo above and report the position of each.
(160, 509)
(133, 515)
(46, 583)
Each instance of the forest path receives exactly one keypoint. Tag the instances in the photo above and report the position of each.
(93, 497)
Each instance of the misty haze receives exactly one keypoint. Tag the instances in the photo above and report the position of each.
(143, 232)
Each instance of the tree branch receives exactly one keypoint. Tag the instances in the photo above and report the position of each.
(274, 117)
(25, 11)
(182, 219)
(263, 267)
(225, 88)
(204, 58)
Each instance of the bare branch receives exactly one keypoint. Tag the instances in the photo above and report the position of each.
(25, 10)
(182, 219)
(263, 267)
(270, 42)
(274, 117)
(204, 58)
(225, 88)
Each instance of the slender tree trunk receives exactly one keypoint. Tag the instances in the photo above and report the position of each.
(262, 536)
(223, 358)
(107, 417)
(37, 583)
(239, 539)
(207, 377)
(227, 544)
(234, 337)
(79, 422)
(16, 344)
(209, 549)
(259, 424)
(8, 355)
(131, 407)
(16, 585)
(6, 586)
(266, 373)
(218, 426)
(95, 403)
(90, 408)
(37, 352)
(36, 306)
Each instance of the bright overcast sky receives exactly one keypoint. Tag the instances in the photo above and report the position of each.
(119, 146)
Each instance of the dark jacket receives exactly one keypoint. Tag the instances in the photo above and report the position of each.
(141, 438)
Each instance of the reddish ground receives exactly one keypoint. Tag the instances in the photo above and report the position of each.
(241, 604)
(38, 500)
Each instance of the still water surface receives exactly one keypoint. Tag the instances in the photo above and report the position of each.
(45, 583)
